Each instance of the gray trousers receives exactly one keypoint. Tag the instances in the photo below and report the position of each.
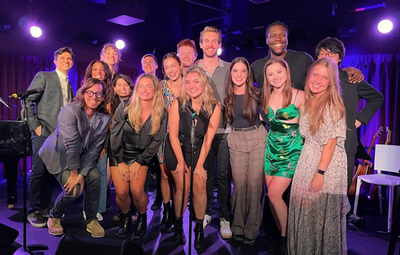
(246, 151)
(91, 199)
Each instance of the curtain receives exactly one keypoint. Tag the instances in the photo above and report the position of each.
(17, 72)
(382, 71)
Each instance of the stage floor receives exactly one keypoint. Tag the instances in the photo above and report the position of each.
(372, 240)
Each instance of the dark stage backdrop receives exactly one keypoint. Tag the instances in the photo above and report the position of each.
(17, 72)
(381, 70)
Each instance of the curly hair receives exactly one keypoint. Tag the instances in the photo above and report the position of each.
(111, 46)
(79, 98)
(107, 79)
(134, 108)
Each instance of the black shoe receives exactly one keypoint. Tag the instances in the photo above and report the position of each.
(156, 205)
(167, 221)
(199, 236)
(36, 220)
(117, 216)
(125, 228)
(141, 226)
(238, 238)
(248, 241)
(179, 234)
(281, 249)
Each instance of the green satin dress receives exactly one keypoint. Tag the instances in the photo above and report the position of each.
(284, 142)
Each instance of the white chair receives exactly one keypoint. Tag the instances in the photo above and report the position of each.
(387, 159)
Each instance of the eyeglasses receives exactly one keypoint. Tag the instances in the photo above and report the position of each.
(327, 54)
(91, 93)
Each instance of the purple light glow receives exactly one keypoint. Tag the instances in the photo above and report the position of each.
(385, 26)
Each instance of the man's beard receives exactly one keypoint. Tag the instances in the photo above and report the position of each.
(278, 53)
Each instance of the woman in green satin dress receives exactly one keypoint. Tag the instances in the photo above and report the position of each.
(281, 107)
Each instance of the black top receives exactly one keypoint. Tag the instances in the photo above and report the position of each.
(239, 120)
(185, 123)
(128, 145)
(351, 94)
(298, 62)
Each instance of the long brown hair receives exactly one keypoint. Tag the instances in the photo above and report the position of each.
(134, 108)
(268, 88)
(115, 100)
(330, 99)
(251, 97)
(107, 78)
(79, 99)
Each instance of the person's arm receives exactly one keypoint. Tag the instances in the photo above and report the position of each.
(354, 74)
(208, 138)
(374, 100)
(155, 142)
(326, 157)
(91, 155)
(117, 133)
(173, 123)
(39, 81)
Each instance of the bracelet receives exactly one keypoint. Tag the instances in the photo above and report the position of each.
(320, 171)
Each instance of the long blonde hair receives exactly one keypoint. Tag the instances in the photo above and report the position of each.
(330, 99)
(207, 98)
(134, 108)
(268, 88)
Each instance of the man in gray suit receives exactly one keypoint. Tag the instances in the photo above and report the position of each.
(43, 109)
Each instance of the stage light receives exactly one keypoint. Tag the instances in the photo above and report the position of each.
(385, 26)
(120, 44)
(219, 51)
(35, 31)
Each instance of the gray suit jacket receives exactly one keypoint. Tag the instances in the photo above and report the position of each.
(75, 144)
(48, 103)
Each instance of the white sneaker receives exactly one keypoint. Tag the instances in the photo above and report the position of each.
(98, 215)
(207, 220)
(225, 229)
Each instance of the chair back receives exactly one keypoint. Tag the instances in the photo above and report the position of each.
(387, 158)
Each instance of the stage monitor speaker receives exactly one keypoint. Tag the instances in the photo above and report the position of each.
(87, 245)
(7, 235)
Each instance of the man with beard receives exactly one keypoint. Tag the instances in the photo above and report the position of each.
(217, 71)
(299, 62)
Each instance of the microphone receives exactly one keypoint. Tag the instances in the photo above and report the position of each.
(191, 111)
(25, 94)
(5, 103)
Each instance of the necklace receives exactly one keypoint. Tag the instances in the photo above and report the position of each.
(209, 68)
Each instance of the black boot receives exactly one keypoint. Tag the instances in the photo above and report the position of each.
(179, 234)
(126, 221)
(141, 226)
(281, 249)
(199, 236)
(167, 221)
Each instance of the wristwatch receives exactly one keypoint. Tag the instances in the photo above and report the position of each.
(320, 171)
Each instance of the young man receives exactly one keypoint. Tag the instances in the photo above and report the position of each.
(217, 71)
(333, 48)
(277, 40)
(187, 53)
(43, 109)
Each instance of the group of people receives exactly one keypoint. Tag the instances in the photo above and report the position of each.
(114, 128)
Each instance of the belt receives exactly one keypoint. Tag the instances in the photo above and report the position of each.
(254, 127)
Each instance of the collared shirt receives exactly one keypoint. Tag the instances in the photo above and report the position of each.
(218, 81)
(64, 87)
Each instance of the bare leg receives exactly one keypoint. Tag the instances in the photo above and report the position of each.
(121, 190)
(140, 198)
(181, 192)
(199, 196)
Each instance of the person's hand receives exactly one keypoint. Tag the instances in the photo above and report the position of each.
(354, 74)
(357, 124)
(201, 173)
(73, 180)
(180, 170)
(123, 171)
(102, 153)
(38, 130)
(317, 182)
(134, 170)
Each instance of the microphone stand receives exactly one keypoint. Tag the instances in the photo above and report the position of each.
(36, 247)
(192, 138)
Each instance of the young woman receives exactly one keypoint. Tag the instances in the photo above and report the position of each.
(71, 152)
(318, 200)
(197, 95)
(138, 130)
(111, 55)
(281, 106)
(171, 88)
(246, 143)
